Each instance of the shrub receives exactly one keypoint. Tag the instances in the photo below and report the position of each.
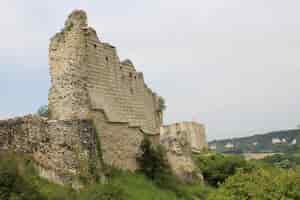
(263, 184)
(217, 168)
(153, 161)
(284, 161)
(13, 185)
(162, 104)
(43, 111)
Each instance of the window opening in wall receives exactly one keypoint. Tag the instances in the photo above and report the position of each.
(106, 58)
(130, 74)
(95, 46)
(121, 67)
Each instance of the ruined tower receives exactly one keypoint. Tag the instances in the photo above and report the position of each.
(68, 97)
(90, 82)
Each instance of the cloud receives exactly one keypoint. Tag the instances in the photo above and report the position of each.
(232, 64)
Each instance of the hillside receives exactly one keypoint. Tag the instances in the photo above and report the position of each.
(19, 180)
(277, 141)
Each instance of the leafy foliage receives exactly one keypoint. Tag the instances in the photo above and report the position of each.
(285, 161)
(217, 168)
(43, 111)
(154, 166)
(162, 103)
(153, 161)
(242, 180)
(263, 184)
(13, 185)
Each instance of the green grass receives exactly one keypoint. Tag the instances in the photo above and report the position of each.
(120, 185)
(135, 186)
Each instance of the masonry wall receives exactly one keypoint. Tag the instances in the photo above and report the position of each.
(62, 150)
(195, 133)
(179, 154)
(89, 80)
(86, 74)
(68, 96)
(119, 142)
(118, 89)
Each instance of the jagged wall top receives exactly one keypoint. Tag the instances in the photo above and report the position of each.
(87, 75)
(77, 19)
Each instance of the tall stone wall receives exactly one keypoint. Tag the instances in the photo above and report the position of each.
(62, 150)
(86, 74)
(89, 82)
(118, 89)
(68, 96)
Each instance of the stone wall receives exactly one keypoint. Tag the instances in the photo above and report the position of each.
(62, 150)
(118, 89)
(87, 77)
(68, 96)
(180, 140)
(179, 155)
(86, 74)
(195, 133)
(119, 142)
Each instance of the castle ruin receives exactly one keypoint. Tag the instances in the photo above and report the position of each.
(100, 109)
(90, 82)
(180, 141)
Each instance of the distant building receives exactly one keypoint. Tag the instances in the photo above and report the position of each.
(283, 140)
(278, 141)
(213, 147)
(255, 143)
(229, 145)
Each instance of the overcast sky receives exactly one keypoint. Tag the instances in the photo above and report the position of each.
(233, 65)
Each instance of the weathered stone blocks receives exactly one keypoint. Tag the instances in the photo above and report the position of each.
(62, 150)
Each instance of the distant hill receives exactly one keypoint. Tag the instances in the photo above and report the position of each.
(277, 141)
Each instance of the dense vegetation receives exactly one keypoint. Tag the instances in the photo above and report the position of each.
(226, 177)
(288, 160)
(19, 181)
(262, 184)
(216, 168)
(260, 143)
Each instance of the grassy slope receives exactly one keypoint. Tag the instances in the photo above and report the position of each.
(130, 186)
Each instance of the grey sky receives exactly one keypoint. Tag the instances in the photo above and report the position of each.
(231, 64)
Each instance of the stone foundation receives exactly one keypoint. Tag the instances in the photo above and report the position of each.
(64, 151)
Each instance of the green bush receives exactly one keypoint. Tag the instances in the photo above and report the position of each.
(217, 168)
(263, 184)
(284, 161)
(152, 161)
(154, 165)
(43, 111)
(13, 185)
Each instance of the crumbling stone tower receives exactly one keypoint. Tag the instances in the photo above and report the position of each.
(68, 97)
(90, 82)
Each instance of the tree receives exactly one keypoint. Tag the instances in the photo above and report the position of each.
(13, 185)
(43, 111)
(263, 184)
(217, 168)
(152, 160)
(162, 104)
